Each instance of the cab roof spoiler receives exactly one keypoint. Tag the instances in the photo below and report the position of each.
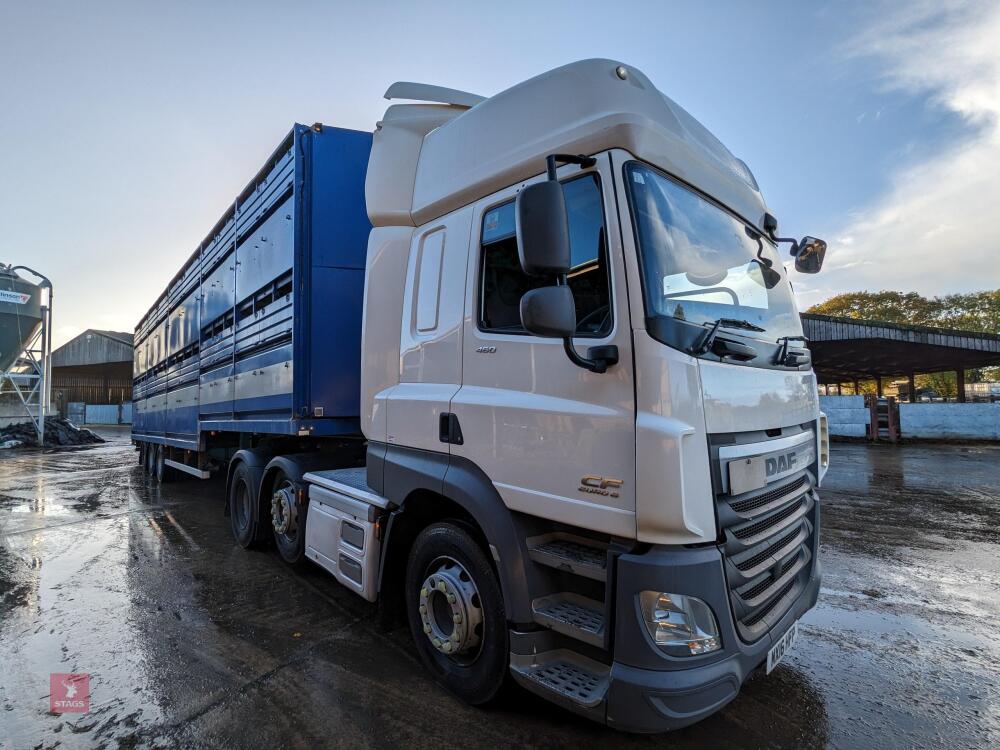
(425, 92)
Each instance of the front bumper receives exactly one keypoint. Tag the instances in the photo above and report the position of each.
(652, 692)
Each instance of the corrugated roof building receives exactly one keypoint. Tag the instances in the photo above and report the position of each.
(93, 368)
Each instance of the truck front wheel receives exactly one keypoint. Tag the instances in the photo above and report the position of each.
(456, 614)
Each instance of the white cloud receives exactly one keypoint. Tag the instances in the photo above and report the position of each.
(937, 230)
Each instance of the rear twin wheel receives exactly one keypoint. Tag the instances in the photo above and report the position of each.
(280, 512)
(288, 519)
(240, 506)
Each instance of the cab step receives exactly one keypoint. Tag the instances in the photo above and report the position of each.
(564, 676)
(575, 554)
(572, 615)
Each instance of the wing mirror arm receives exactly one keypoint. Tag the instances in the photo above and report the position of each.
(552, 160)
(598, 359)
(808, 253)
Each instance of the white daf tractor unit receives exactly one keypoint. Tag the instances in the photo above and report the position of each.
(570, 431)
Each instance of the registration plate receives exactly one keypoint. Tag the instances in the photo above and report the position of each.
(779, 649)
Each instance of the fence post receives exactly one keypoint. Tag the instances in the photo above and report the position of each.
(872, 403)
(892, 416)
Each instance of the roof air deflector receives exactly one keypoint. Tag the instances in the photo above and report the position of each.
(425, 92)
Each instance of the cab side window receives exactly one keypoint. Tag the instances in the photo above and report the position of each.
(503, 283)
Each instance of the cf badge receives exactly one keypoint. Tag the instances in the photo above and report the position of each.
(596, 485)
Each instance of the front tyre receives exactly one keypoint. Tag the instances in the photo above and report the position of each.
(288, 520)
(455, 609)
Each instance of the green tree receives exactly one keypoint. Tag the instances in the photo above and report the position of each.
(976, 311)
(945, 384)
(885, 306)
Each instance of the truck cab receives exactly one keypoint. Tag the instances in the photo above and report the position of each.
(603, 381)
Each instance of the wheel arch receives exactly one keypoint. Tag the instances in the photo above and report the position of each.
(430, 487)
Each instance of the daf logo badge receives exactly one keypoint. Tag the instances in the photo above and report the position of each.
(780, 464)
(595, 485)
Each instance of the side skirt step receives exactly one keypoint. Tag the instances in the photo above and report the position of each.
(571, 553)
(572, 615)
(566, 677)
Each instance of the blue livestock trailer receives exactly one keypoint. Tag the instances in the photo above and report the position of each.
(260, 331)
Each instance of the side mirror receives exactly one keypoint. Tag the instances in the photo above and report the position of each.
(809, 258)
(542, 230)
(549, 311)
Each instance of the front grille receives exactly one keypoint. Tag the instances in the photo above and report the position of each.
(752, 562)
(757, 589)
(768, 543)
(763, 612)
(759, 501)
(758, 528)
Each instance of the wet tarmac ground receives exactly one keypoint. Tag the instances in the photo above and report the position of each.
(191, 641)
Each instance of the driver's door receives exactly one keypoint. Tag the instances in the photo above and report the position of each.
(556, 440)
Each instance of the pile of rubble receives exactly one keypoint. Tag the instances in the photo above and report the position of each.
(58, 432)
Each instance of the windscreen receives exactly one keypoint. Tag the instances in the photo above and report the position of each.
(701, 264)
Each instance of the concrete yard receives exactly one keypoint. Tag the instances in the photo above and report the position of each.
(191, 641)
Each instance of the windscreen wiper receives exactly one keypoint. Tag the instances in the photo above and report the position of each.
(785, 356)
(709, 338)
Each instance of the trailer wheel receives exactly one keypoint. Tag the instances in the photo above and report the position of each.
(288, 519)
(163, 472)
(150, 459)
(241, 506)
(456, 613)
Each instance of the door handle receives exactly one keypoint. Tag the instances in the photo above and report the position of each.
(449, 430)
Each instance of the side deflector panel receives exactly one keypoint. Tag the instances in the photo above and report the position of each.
(341, 538)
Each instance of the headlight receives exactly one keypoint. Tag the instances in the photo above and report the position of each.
(680, 625)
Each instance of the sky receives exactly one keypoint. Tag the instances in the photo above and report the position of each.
(127, 128)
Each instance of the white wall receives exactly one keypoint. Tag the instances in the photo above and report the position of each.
(847, 415)
(950, 421)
